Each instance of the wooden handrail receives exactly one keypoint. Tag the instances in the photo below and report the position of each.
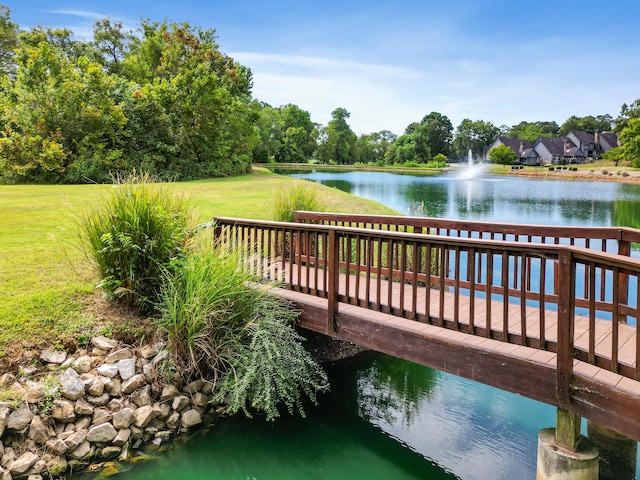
(477, 286)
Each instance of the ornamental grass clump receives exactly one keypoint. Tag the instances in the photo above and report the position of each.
(298, 196)
(134, 235)
(225, 328)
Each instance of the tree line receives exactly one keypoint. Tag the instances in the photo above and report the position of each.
(165, 100)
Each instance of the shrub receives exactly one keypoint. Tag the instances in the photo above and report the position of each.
(226, 329)
(298, 196)
(134, 235)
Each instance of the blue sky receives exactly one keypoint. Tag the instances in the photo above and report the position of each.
(391, 63)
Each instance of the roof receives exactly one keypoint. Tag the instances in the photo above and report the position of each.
(515, 143)
(583, 137)
(610, 137)
(555, 145)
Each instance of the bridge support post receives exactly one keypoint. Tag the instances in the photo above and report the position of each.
(563, 454)
(618, 454)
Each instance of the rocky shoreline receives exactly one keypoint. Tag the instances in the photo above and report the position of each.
(99, 404)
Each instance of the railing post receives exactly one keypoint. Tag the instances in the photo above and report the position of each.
(566, 301)
(624, 248)
(333, 277)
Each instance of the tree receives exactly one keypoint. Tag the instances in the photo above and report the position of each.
(412, 146)
(438, 132)
(112, 43)
(372, 147)
(269, 127)
(339, 141)
(8, 41)
(474, 136)
(587, 124)
(502, 155)
(630, 141)
(532, 131)
(298, 120)
(627, 112)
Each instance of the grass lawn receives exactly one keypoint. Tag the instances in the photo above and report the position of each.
(47, 293)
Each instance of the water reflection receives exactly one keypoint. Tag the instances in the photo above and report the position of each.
(499, 199)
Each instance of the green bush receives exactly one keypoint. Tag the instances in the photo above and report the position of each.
(224, 328)
(298, 196)
(134, 235)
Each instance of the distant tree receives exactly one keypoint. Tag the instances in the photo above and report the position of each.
(587, 124)
(8, 41)
(62, 39)
(502, 155)
(627, 112)
(412, 146)
(111, 43)
(294, 117)
(532, 131)
(372, 147)
(269, 128)
(438, 132)
(474, 136)
(440, 160)
(338, 140)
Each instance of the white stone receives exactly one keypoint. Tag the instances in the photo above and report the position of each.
(53, 356)
(104, 343)
(96, 388)
(190, 418)
(71, 385)
(123, 418)
(143, 416)
(23, 463)
(83, 408)
(122, 437)
(19, 419)
(102, 433)
(133, 383)
(82, 451)
(122, 354)
(127, 368)
(75, 439)
(83, 364)
(108, 369)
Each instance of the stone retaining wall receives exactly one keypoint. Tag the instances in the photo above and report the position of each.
(95, 405)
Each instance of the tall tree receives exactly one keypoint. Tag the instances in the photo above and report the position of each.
(294, 117)
(587, 124)
(8, 41)
(372, 147)
(474, 136)
(438, 132)
(339, 140)
(630, 141)
(626, 113)
(532, 131)
(112, 43)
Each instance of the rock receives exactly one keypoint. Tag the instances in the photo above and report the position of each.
(100, 416)
(38, 431)
(163, 436)
(81, 424)
(169, 392)
(137, 433)
(115, 388)
(110, 452)
(104, 343)
(63, 411)
(122, 437)
(123, 418)
(142, 396)
(34, 392)
(122, 354)
(99, 401)
(190, 418)
(53, 356)
(200, 400)
(57, 446)
(19, 419)
(4, 474)
(162, 355)
(150, 371)
(194, 386)
(102, 433)
(34, 477)
(180, 403)
(143, 415)
(83, 364)
(108, 369)
(83, 450)
(161, 410)
(133, 383)
(148, 351)
(8, 457)
(4, 416)
(76, 439)
(23, 463)
(96, 388)
(208, 388)
(127, 368)
(1, 449)
(115, 404)
(36, 469)
(83, 408)
(71, 385)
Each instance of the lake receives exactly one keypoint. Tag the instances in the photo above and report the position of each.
(386, 418)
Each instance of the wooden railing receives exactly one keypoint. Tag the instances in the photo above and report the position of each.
(578, 302)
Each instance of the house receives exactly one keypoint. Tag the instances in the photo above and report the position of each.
(522, 148)
(576, 147)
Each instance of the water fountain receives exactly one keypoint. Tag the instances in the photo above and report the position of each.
(472, 170)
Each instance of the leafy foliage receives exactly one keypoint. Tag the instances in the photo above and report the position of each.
(225, 329)
(502, 155)
(297, 196)
(474, 135)
(134, 236)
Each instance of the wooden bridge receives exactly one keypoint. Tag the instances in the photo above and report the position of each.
(549, 313)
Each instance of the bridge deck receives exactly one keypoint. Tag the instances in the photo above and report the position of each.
(407, 301)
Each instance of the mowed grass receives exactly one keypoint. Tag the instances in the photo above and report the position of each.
(47, 286)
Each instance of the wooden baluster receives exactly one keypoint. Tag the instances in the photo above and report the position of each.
(566, 318)
(505, 296)
(334, 279)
